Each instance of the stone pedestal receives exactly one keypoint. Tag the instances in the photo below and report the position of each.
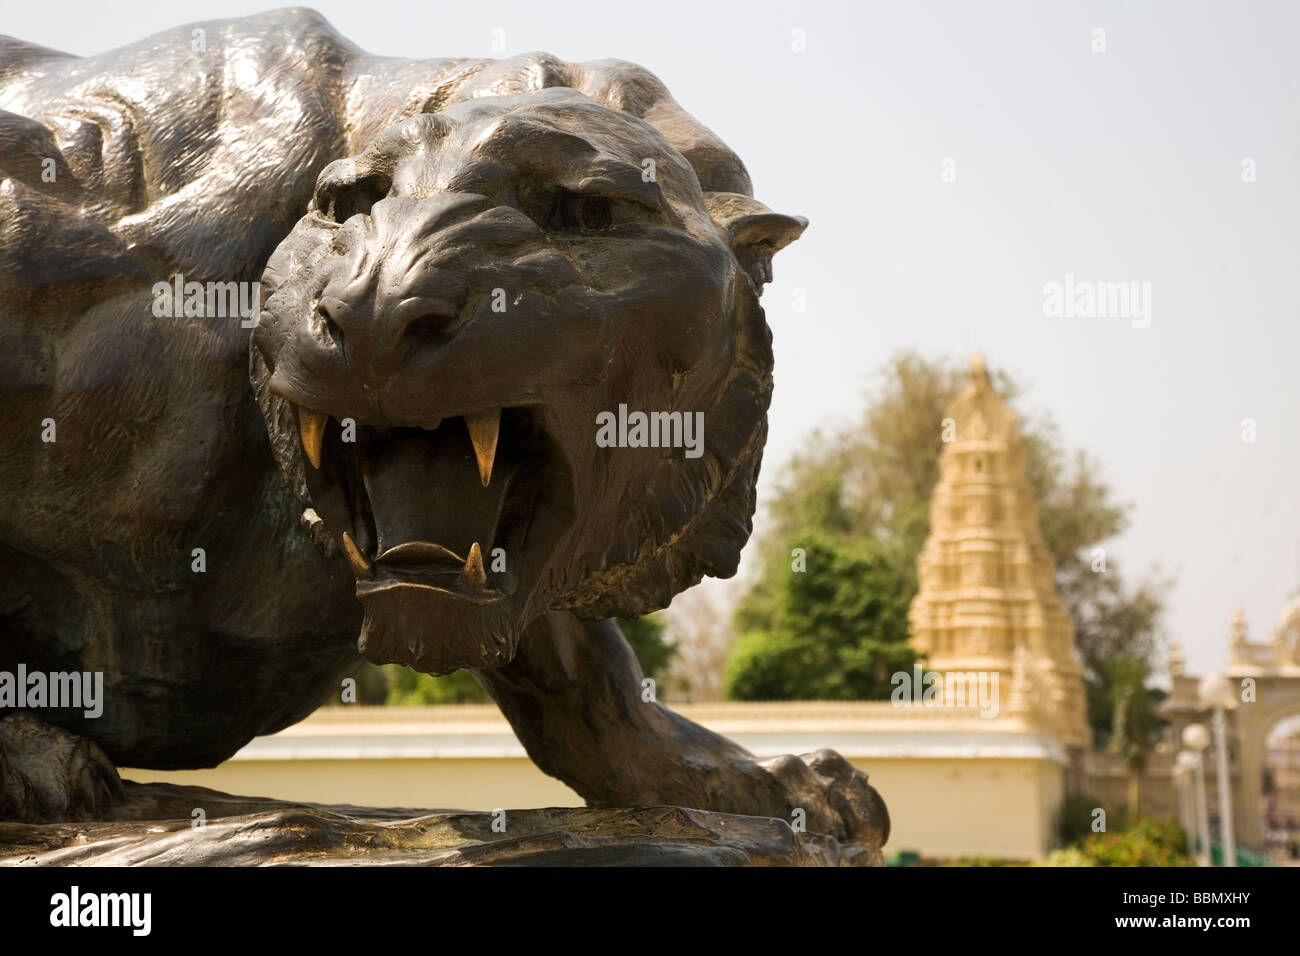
(156, 825)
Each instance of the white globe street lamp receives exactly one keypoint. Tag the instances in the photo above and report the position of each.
(1218, 693)
(1196, 738)
(1182, 776)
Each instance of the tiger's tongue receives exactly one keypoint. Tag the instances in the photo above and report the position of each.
(425, 486)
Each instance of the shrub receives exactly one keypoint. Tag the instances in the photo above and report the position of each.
(1147, 843)
(1074, 819)
(1070, 856)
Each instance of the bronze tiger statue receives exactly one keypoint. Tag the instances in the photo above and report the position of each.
(457, 266)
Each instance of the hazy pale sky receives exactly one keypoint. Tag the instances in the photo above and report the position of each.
(1123, 165)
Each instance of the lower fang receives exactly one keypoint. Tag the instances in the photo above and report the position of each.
(361, 566)
(474, 574)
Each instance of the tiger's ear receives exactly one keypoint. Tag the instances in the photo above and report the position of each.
(754, 232)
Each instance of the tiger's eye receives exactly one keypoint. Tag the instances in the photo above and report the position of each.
(594, 212)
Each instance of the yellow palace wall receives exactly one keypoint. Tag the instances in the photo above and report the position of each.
(955, 787)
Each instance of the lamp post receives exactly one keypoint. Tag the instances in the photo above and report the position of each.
(1184, 770)
(1217, 692)
(1196, 738)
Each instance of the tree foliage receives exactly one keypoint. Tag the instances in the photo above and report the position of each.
(870, 485)
(653, 651)
(837, 629)
(1135, 723)
(400, 686)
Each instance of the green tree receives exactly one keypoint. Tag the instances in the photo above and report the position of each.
(837, 628)
(872, 482)
(1112, 622)
(400, 686)
(646, 635)
(409, 688)
(1135, 724)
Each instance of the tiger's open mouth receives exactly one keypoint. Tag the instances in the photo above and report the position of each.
(438, 520)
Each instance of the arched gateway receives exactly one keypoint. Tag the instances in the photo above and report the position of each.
(1268, 675)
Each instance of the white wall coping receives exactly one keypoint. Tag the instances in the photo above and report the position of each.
(478, 731)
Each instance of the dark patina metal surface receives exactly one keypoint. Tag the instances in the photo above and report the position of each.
(459, 265)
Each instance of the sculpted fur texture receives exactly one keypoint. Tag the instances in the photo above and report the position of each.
(463, 264)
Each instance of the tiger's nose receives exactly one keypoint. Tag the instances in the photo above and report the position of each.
(418, 320)
(398, 287)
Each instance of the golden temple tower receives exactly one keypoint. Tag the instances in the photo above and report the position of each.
(987, 597)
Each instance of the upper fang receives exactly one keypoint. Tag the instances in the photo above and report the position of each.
(311, 429)
(483, 431)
